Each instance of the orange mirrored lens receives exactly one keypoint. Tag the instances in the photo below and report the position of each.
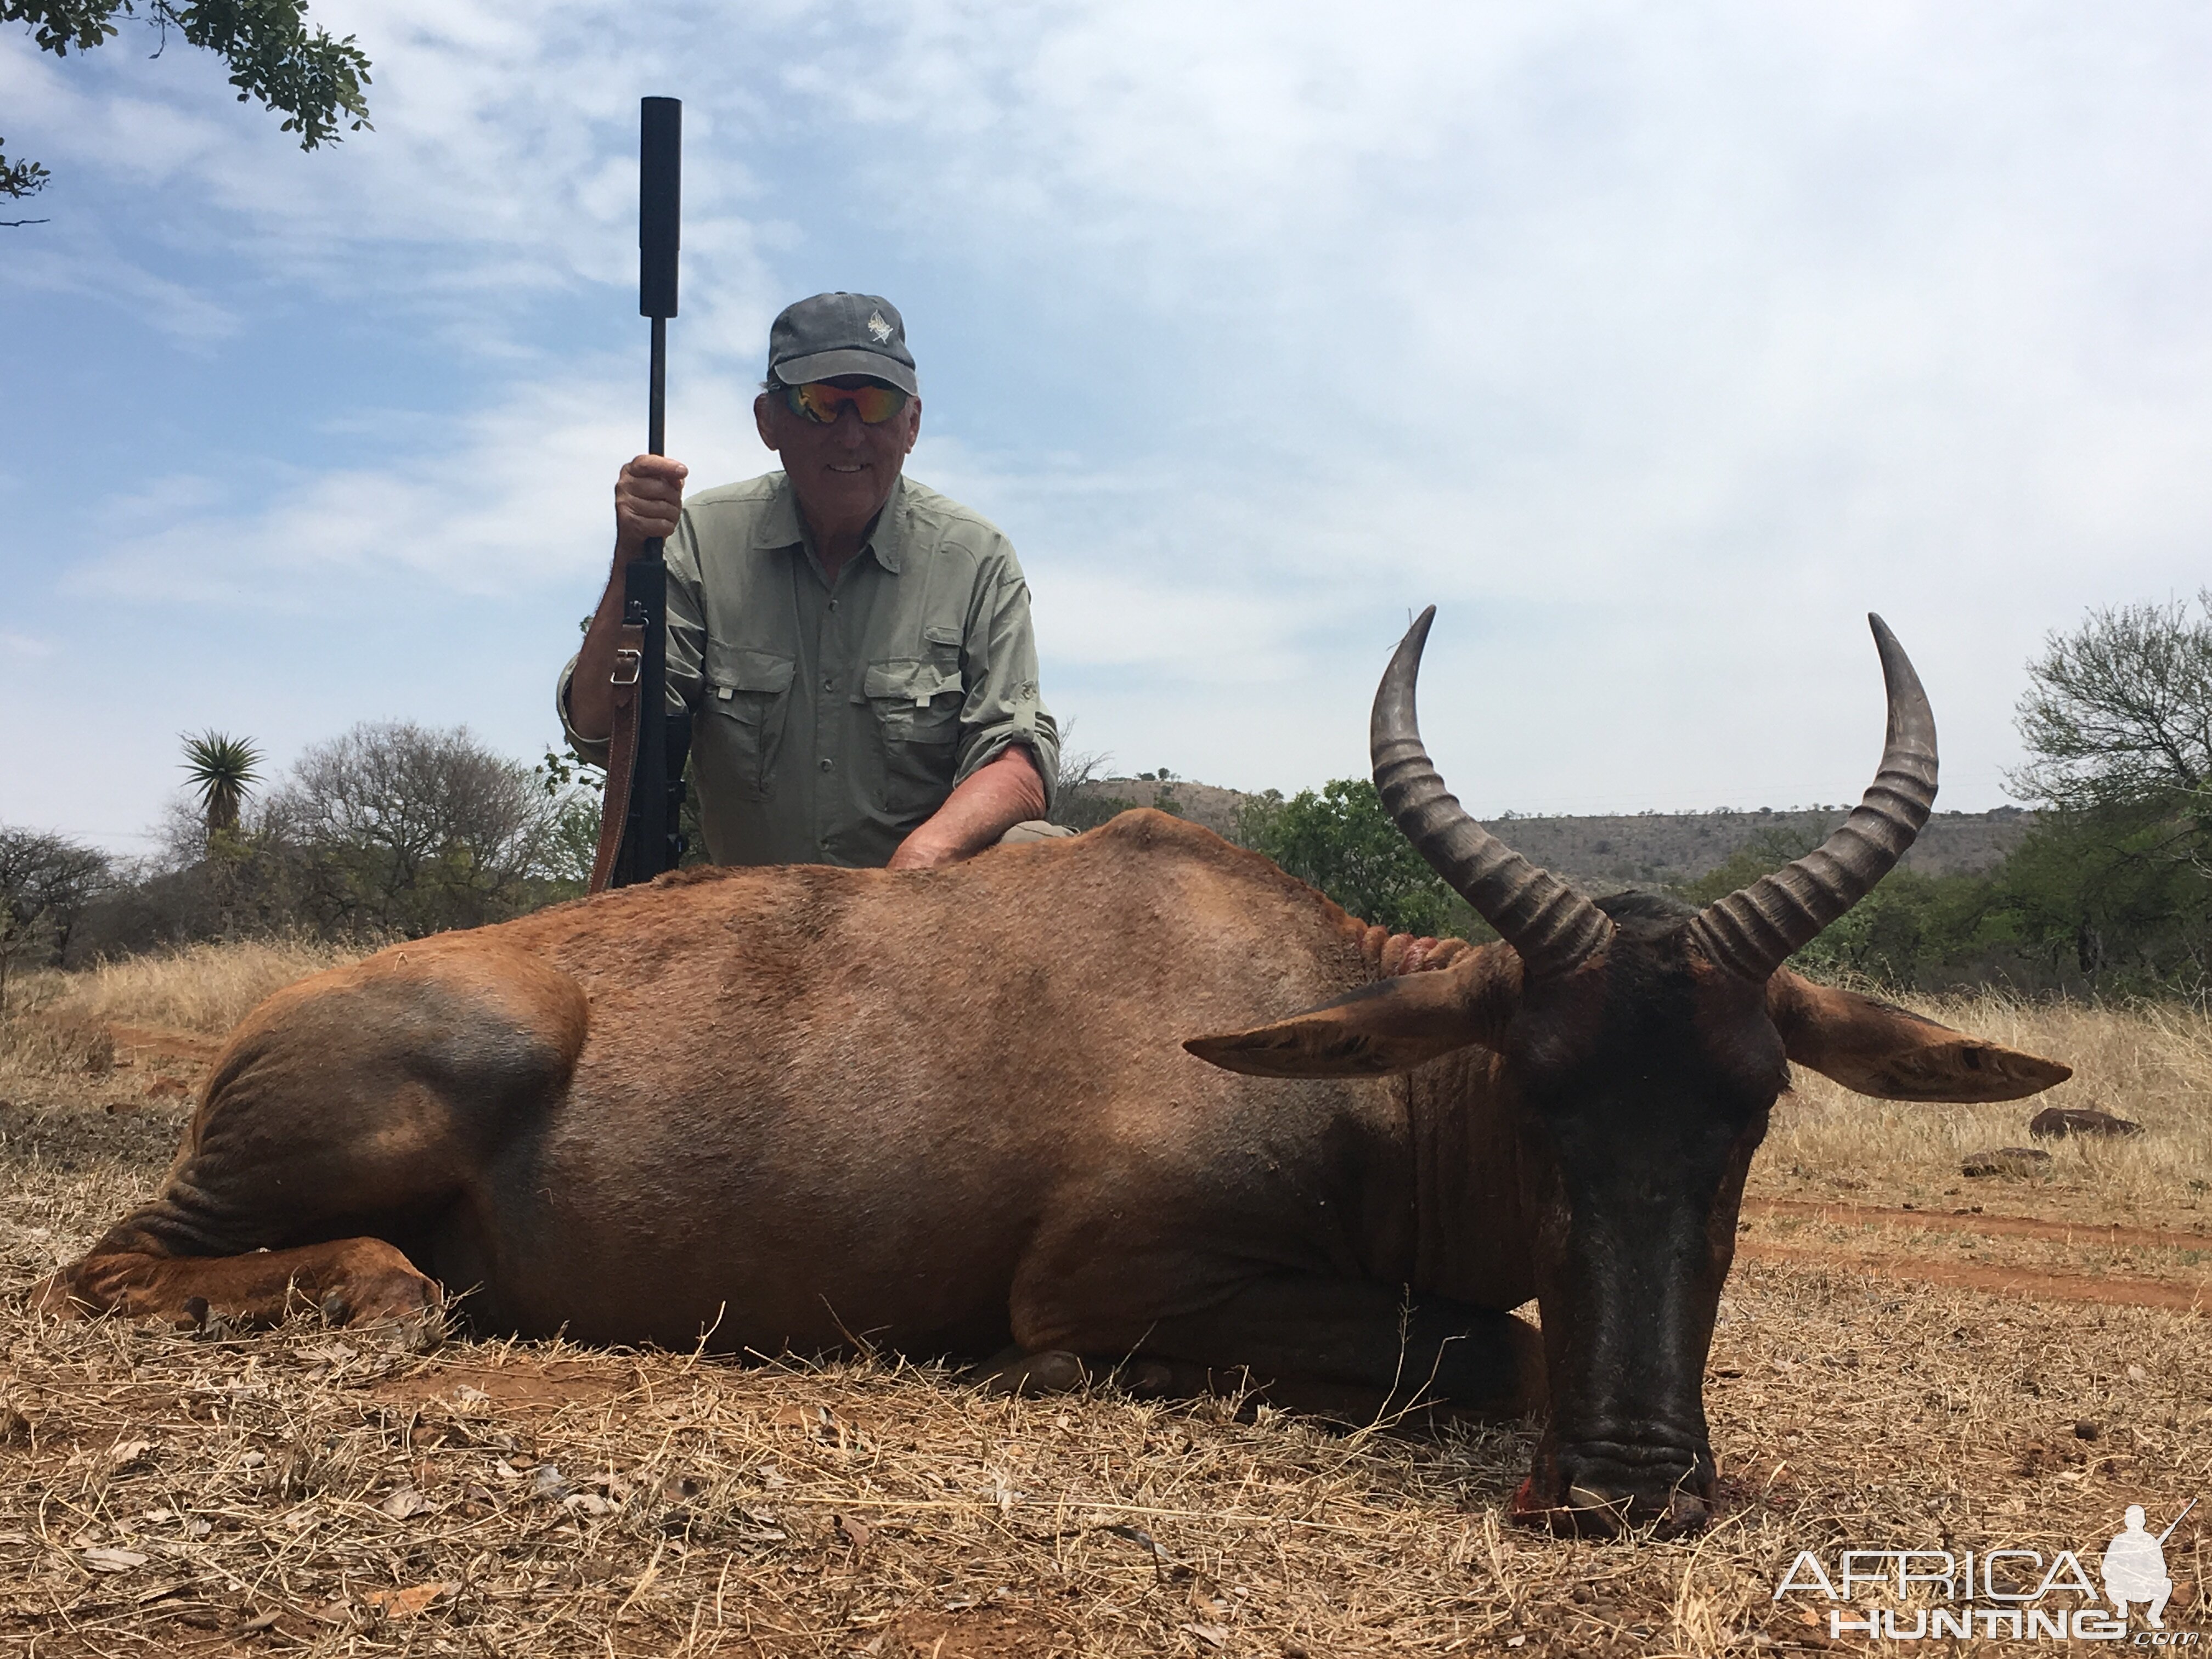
(818, 400)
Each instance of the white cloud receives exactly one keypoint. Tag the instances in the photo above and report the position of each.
(1655, 346)
(516, 498)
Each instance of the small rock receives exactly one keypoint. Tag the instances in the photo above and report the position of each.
(2088, 1428)
(2006, 1160)
(2056, 1122)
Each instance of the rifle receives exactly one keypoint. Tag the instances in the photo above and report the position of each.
(2177, 1521)
(652, 808)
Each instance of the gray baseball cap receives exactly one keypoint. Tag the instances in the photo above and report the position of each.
(833, 334)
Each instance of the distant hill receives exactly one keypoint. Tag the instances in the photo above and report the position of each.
(1605, 854)
(1668, 849)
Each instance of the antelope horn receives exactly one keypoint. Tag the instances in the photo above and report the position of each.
(1753, 932)
(1554, 928)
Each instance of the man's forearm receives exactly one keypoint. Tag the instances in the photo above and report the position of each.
(591, 697)
(990, 801)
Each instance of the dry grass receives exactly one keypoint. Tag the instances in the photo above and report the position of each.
(204, 989)
(2151, 1064)
(340, 1492)
(537, 1501)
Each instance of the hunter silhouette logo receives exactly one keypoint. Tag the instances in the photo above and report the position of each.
(2134, 1566)
(878, 327)
(1985, 1598)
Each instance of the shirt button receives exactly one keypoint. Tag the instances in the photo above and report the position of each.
(828, 765)
(828, 682)
(833, 604)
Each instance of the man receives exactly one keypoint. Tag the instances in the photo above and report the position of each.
(854, 647)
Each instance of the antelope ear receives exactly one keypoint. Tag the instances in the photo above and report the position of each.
(1892, 1054)
(1391, 1026)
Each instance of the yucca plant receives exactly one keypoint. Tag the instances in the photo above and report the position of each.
(222, 768)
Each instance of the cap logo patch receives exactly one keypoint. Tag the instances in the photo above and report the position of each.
(879, 328)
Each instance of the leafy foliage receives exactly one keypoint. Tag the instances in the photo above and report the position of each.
(2117, 721)
(19, 179)
(394, 828)
(46, 883)
(1911, 925)
(221, 768)
(2116, 894)
(2119, 713)
(1341, 839)
(576, 789)
(314, 81)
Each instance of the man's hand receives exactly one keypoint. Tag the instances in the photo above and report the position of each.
(649, 500)
(992, 801)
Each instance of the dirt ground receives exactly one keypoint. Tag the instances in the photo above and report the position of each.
(1907, 1359)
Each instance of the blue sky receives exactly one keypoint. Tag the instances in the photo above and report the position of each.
(1653, 345)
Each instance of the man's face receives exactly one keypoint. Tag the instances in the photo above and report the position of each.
(843, 472)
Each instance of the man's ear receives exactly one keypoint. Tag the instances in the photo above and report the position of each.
(1391, 1026)
(1886, 1052)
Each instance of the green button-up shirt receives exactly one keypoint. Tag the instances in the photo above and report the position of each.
(830, 719)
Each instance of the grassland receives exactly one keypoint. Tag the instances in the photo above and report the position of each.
(1905, 1358)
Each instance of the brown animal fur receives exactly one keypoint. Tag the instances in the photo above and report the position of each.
(802, 1108)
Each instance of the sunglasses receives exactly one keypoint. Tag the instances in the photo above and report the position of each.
(822, 402)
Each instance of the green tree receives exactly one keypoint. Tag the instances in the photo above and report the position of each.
(2119, 713)
(1912, 929)
(310, 79)
(45, 883)
(221, 769)
(2106, 892)
(395, 830)
(1341, 841)
(2117, 721)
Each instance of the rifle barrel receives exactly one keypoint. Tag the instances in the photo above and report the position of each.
(2177, 1521)
(660, 203)
(648, 837)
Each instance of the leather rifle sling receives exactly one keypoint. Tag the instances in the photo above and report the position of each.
(621, 753)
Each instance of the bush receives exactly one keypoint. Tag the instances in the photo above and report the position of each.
(389, 831)
(46, 884)
(1341, 841)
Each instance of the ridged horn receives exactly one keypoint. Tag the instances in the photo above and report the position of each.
(1554, 928)
(1754, 932)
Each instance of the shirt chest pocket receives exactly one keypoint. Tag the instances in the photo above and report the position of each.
(914, 701)
(747, 697)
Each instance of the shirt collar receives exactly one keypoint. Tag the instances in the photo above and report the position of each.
(779, 525)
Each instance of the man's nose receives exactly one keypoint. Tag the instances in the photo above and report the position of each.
(847, 430)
